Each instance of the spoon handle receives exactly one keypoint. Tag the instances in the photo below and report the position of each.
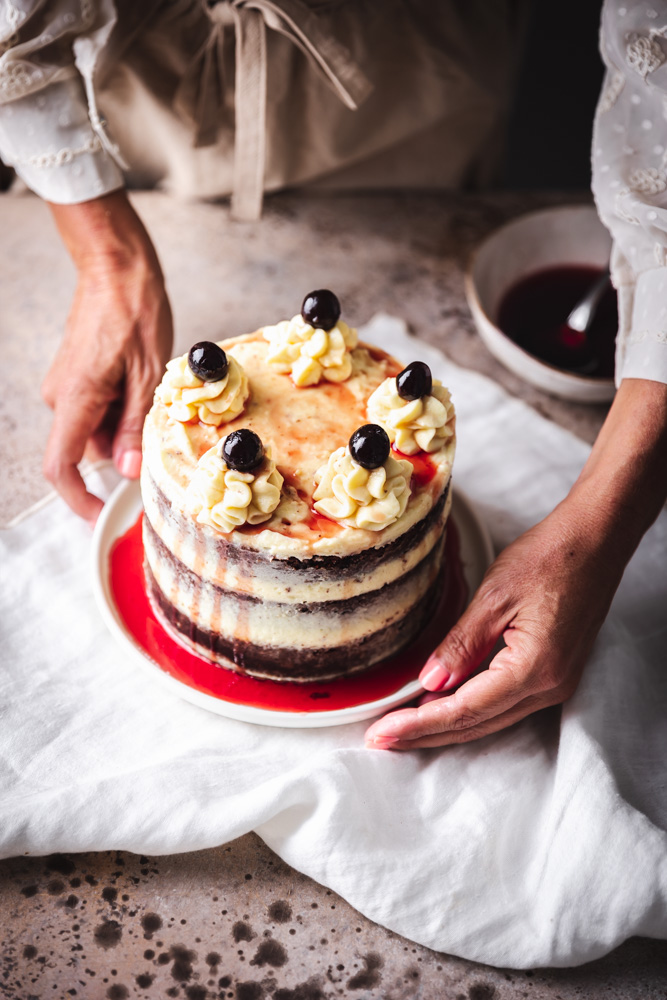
(581, 316)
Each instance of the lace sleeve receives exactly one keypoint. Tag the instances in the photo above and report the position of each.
(50, 132)
(630, 178)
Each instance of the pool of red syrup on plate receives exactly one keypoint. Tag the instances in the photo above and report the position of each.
(129, 594)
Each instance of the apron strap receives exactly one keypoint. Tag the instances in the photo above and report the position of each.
(250, 106)
(296, 21)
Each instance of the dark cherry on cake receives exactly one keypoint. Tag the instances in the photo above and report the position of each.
(208, 361)
(321, 309)
(243, 450)
(414, 381)
(369, 446)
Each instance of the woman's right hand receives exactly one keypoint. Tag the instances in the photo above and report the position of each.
(117, 341)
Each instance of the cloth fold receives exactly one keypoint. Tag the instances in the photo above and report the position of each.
(543, 845)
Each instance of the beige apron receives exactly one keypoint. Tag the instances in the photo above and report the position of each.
(250, 96)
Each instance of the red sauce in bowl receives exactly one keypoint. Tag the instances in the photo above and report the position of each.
(539, 303)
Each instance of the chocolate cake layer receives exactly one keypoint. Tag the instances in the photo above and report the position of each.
(294, 664)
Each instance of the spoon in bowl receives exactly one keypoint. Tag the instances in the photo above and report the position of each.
(568, 345)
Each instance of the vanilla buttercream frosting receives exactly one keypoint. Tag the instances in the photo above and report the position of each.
(362, 498)
(225, 498)
(187, 397)
(424, 424)
(310, 354)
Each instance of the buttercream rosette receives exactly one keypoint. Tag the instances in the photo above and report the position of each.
(310, 354)
(187, 397)
(225, 498)
(424, 424)
(362, 498)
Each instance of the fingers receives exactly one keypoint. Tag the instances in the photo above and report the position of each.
(467, 644)
(127, 439)
(484, 697)
(100, 443)
(515, 714)
(76, 416)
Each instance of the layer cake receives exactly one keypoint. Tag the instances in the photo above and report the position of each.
(310, 564)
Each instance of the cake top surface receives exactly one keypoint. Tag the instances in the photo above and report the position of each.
(300, 428)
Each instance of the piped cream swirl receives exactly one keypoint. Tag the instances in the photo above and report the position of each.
(224, 498)
(424, 424)
(188, 397)
(362, 498)
(310, 354)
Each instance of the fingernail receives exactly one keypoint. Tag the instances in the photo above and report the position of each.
(129, 464)
(91, 524)
(380, 743)
(434, 677)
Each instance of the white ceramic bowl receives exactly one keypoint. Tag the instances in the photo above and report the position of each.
(568, 234)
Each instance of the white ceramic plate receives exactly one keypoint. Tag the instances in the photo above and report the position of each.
(121, 512)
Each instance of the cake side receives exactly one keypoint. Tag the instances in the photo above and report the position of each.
(319, 641)
(289, 630)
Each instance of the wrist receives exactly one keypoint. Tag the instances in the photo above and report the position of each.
(106, 236)
(623, 485)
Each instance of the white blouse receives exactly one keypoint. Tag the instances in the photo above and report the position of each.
(49, 132)
(56, 54)
(630, 178)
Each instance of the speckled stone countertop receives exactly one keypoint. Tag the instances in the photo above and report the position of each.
(236, 922)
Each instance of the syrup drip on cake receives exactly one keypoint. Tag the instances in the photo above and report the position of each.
(423, 468)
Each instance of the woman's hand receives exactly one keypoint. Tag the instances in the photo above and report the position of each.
(117, 340)
(548, 593)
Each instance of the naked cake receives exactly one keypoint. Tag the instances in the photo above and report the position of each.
(296, 486)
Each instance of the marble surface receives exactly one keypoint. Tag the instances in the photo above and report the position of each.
(236, 922)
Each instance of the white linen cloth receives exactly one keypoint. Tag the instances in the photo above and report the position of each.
(542, 845)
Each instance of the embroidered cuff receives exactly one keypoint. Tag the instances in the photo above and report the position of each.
(645, 347)
(48, 139)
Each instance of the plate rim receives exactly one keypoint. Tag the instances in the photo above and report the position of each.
(120, 510)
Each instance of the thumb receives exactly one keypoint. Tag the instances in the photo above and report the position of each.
(127, 439)
(465, 646)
